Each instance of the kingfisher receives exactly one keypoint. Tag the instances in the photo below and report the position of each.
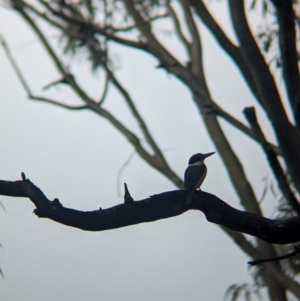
(195, 174)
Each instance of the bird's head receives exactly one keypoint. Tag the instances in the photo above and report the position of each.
(199, 158)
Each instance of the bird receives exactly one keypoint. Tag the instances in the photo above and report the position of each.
(195, 174)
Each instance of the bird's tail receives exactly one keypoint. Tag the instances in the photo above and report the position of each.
(189, 197)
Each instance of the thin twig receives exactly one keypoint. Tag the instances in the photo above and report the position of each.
(1, 204)
(131, 27)
(135, 113)
(63, 80)
(288, 255)
(196, 47)
(178, 29)
(153, 45)
(15, 65)
(225, 43)
(57, 103)
(214, 108)
(121, 171)
(105, 90)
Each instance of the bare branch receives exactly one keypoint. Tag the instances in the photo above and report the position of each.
(195, 45)
(157, 160)
(156, 207)
(63, 80)
(166, 205)
(133, 26)
(104, 93)
(127, 197)
(216, 109)
(156, 48)
(15, 65)
(57, 103)
(44, 41)
(273, 269)
(135, 113)
(232, 50)
(178, 29)
(124, 165)
(273, 160)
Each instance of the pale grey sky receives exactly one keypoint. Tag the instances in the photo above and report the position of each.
(76, 157)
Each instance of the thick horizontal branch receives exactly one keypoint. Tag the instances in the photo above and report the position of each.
(156, 207)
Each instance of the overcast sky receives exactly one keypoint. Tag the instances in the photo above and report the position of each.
(76, 157)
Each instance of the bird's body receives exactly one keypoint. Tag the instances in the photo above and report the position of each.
(195, 174)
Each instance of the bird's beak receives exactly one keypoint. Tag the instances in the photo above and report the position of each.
(208, 154)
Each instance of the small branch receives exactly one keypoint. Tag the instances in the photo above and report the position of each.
(42, 38)
(224, 42)
(154, 46)
(178, 29)
(195, 45)
(153, 160)
(57, 103)
(133, 26)
(288, 255)
(3, 208)
(15, 66)
(214, 108)
(273, 160)
(135, 113)
(143, 26)
(104, 93)
(127, 197)
(63, 80)
(166, 205)
(121, 170)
